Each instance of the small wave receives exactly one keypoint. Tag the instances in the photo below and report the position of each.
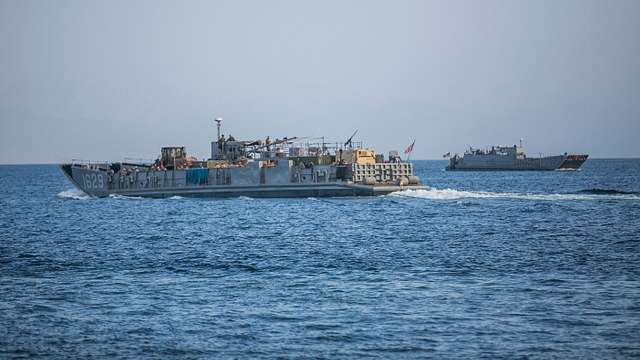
(74, 194)
(451, 194)
(175, 197)
(596, 191)
(568, 169)
(124, 197)
(245, 198)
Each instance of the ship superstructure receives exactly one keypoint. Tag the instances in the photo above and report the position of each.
(287, 167)
(513, 158)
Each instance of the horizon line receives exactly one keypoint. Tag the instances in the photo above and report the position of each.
(440, 159)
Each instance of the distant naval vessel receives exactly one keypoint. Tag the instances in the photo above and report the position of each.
(288, 167)
(512, 158)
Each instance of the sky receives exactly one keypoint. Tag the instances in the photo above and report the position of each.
(109, 80)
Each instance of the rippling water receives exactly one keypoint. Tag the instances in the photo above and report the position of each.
(489, 264)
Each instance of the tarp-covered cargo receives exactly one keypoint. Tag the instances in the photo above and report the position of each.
(197, 176)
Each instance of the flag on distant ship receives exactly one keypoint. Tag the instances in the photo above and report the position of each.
(409, 149)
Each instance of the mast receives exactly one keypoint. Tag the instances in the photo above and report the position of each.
(218, 121)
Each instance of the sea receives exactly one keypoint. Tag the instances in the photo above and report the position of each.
(481, 265)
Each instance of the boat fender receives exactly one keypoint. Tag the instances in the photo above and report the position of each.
(369, 180)
(403, 181)
(413, 180)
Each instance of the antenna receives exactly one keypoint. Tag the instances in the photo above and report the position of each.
(348, 142)
(521, 139)
(218, 121)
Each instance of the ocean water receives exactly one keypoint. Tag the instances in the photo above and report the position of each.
(483, 265)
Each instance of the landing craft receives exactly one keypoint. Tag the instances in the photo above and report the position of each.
(288, 167)
(511, 158)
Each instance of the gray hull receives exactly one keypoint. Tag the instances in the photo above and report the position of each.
(494, 162)
(99, 182)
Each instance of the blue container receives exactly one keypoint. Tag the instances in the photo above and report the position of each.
(197, 176)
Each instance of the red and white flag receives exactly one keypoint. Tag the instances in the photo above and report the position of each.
(409, 149)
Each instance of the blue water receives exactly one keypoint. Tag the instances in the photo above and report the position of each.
(488, 264)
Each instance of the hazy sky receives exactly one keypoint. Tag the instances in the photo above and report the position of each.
(105, 80)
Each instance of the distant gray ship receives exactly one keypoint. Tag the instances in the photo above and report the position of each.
(512, 158)
(280, 168)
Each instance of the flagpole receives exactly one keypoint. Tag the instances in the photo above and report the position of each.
(411, 151)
